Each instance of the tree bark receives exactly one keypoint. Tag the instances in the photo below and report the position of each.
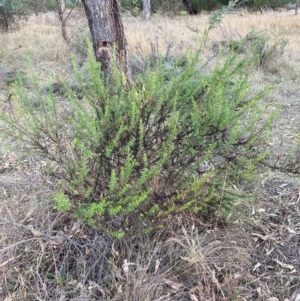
(146, 9)
(190, 9)
(107, 30)
(61, 8)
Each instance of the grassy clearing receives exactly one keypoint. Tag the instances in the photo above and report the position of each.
(251, 255)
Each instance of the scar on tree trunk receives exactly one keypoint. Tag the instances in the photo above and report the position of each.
(108, 36)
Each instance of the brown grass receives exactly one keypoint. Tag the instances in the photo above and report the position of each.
(186, 32)
(251, 256)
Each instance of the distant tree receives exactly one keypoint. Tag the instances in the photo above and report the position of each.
(36, 6)
(192, 10)
(146, 9)
(42, 6)
(63, 14)
(11, 12)
(61, 9)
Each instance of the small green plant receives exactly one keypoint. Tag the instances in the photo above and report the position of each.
(62, 202)
(12, 285)
(175, 141)
(63, 278)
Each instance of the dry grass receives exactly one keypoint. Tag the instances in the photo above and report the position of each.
(254, 256)
(41, 38)
(186, 32)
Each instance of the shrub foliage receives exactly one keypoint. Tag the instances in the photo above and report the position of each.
(175, 141)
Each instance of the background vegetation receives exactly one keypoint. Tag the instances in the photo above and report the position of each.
(13, 11)
(250, 252)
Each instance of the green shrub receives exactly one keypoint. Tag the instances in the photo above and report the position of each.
(79, 41)
(261, 46)
(257, 45)
(264, 48)
(175, 141)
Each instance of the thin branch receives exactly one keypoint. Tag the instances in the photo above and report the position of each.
(19, 242)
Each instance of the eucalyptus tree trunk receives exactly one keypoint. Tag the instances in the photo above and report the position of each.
(146, 9)
(107, 32)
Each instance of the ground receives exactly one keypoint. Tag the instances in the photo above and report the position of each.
(251, 255)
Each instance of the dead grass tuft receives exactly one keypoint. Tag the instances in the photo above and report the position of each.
(51, 257)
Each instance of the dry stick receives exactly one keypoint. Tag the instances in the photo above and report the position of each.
(18, 243)
(8, 212)
(128, 12)
(39, 260)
